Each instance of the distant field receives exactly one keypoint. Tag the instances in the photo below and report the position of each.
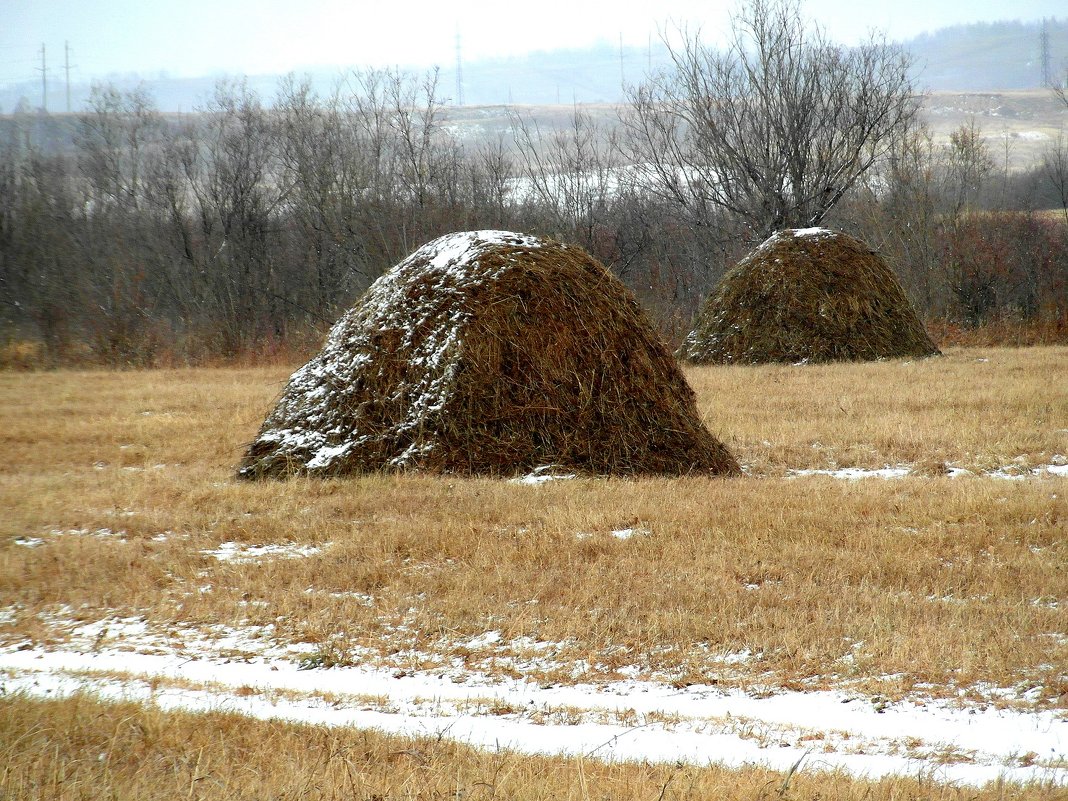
(897, 549)
(1017, 125)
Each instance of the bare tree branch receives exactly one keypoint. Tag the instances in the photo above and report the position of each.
(774, 129)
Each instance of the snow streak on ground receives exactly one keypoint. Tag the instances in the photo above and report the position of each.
(245, 670)
(1057, 468)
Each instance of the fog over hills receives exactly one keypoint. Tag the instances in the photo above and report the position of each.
(977, 57)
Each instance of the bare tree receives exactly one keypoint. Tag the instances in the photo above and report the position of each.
(571, 172)
(968, 163)
(1055, 168)
(114, 138)
(774, 129)
(491, 173)
(901, 212)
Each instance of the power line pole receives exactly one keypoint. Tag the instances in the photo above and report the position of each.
(459, 71)
(1043, 38)
(44, 80)
(66, 67)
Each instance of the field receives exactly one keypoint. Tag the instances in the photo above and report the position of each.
(1017, 125)
(876, 610)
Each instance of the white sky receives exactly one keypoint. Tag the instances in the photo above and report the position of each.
(200, 37)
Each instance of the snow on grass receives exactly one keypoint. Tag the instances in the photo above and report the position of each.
(1014, 472)
(544, 474)
(29, 542)
(854, 473)
(240, 553)
(627, 533)
(213, 669)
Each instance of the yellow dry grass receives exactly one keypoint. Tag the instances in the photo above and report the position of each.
(78, 749)
(946, 582)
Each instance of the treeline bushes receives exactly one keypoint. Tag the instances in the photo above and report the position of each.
(246, 228)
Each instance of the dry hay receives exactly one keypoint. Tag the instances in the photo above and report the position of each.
(494, 353)
(807, 294)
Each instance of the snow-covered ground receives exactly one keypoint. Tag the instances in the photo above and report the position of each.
(246, 670)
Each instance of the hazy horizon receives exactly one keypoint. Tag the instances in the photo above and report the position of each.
(201, 38)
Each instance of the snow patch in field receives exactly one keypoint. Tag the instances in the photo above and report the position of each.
(545, 474)
(623, 720)
(126, 658)
(1056, 468)
(29, 542)
(240, 553)
(855, 473)
(627, 533)
(104, 533)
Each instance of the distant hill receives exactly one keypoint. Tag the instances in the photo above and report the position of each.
(979, 57)
(986, 57)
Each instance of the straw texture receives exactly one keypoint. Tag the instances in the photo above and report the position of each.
(489, 352)
(808, 294)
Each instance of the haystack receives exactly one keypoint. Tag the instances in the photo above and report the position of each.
(494, 353)
(808, 294)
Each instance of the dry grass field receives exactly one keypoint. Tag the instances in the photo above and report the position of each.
(946, 584)
(82, 750)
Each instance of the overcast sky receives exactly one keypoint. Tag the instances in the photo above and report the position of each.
(203, 37)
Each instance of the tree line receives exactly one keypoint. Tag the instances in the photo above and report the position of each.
(251, 225)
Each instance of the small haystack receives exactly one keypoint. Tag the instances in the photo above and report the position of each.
(808, 294)
(489, 352)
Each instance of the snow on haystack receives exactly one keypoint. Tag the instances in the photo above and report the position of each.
(807, 295)
(489, 352)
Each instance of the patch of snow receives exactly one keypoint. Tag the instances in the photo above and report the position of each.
(124, 658)
(697, 724)
(627, 533)
(327, 454)
(1006, 472)
(816, 231)
(240, 553)
(483, 640)
(854, 473)
(543, 474)
(83, 532)
(29, 542)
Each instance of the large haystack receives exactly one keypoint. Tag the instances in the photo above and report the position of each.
(489, 352)
(808, 294)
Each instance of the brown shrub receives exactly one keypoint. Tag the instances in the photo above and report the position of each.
(807, 295)
(489, 352)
